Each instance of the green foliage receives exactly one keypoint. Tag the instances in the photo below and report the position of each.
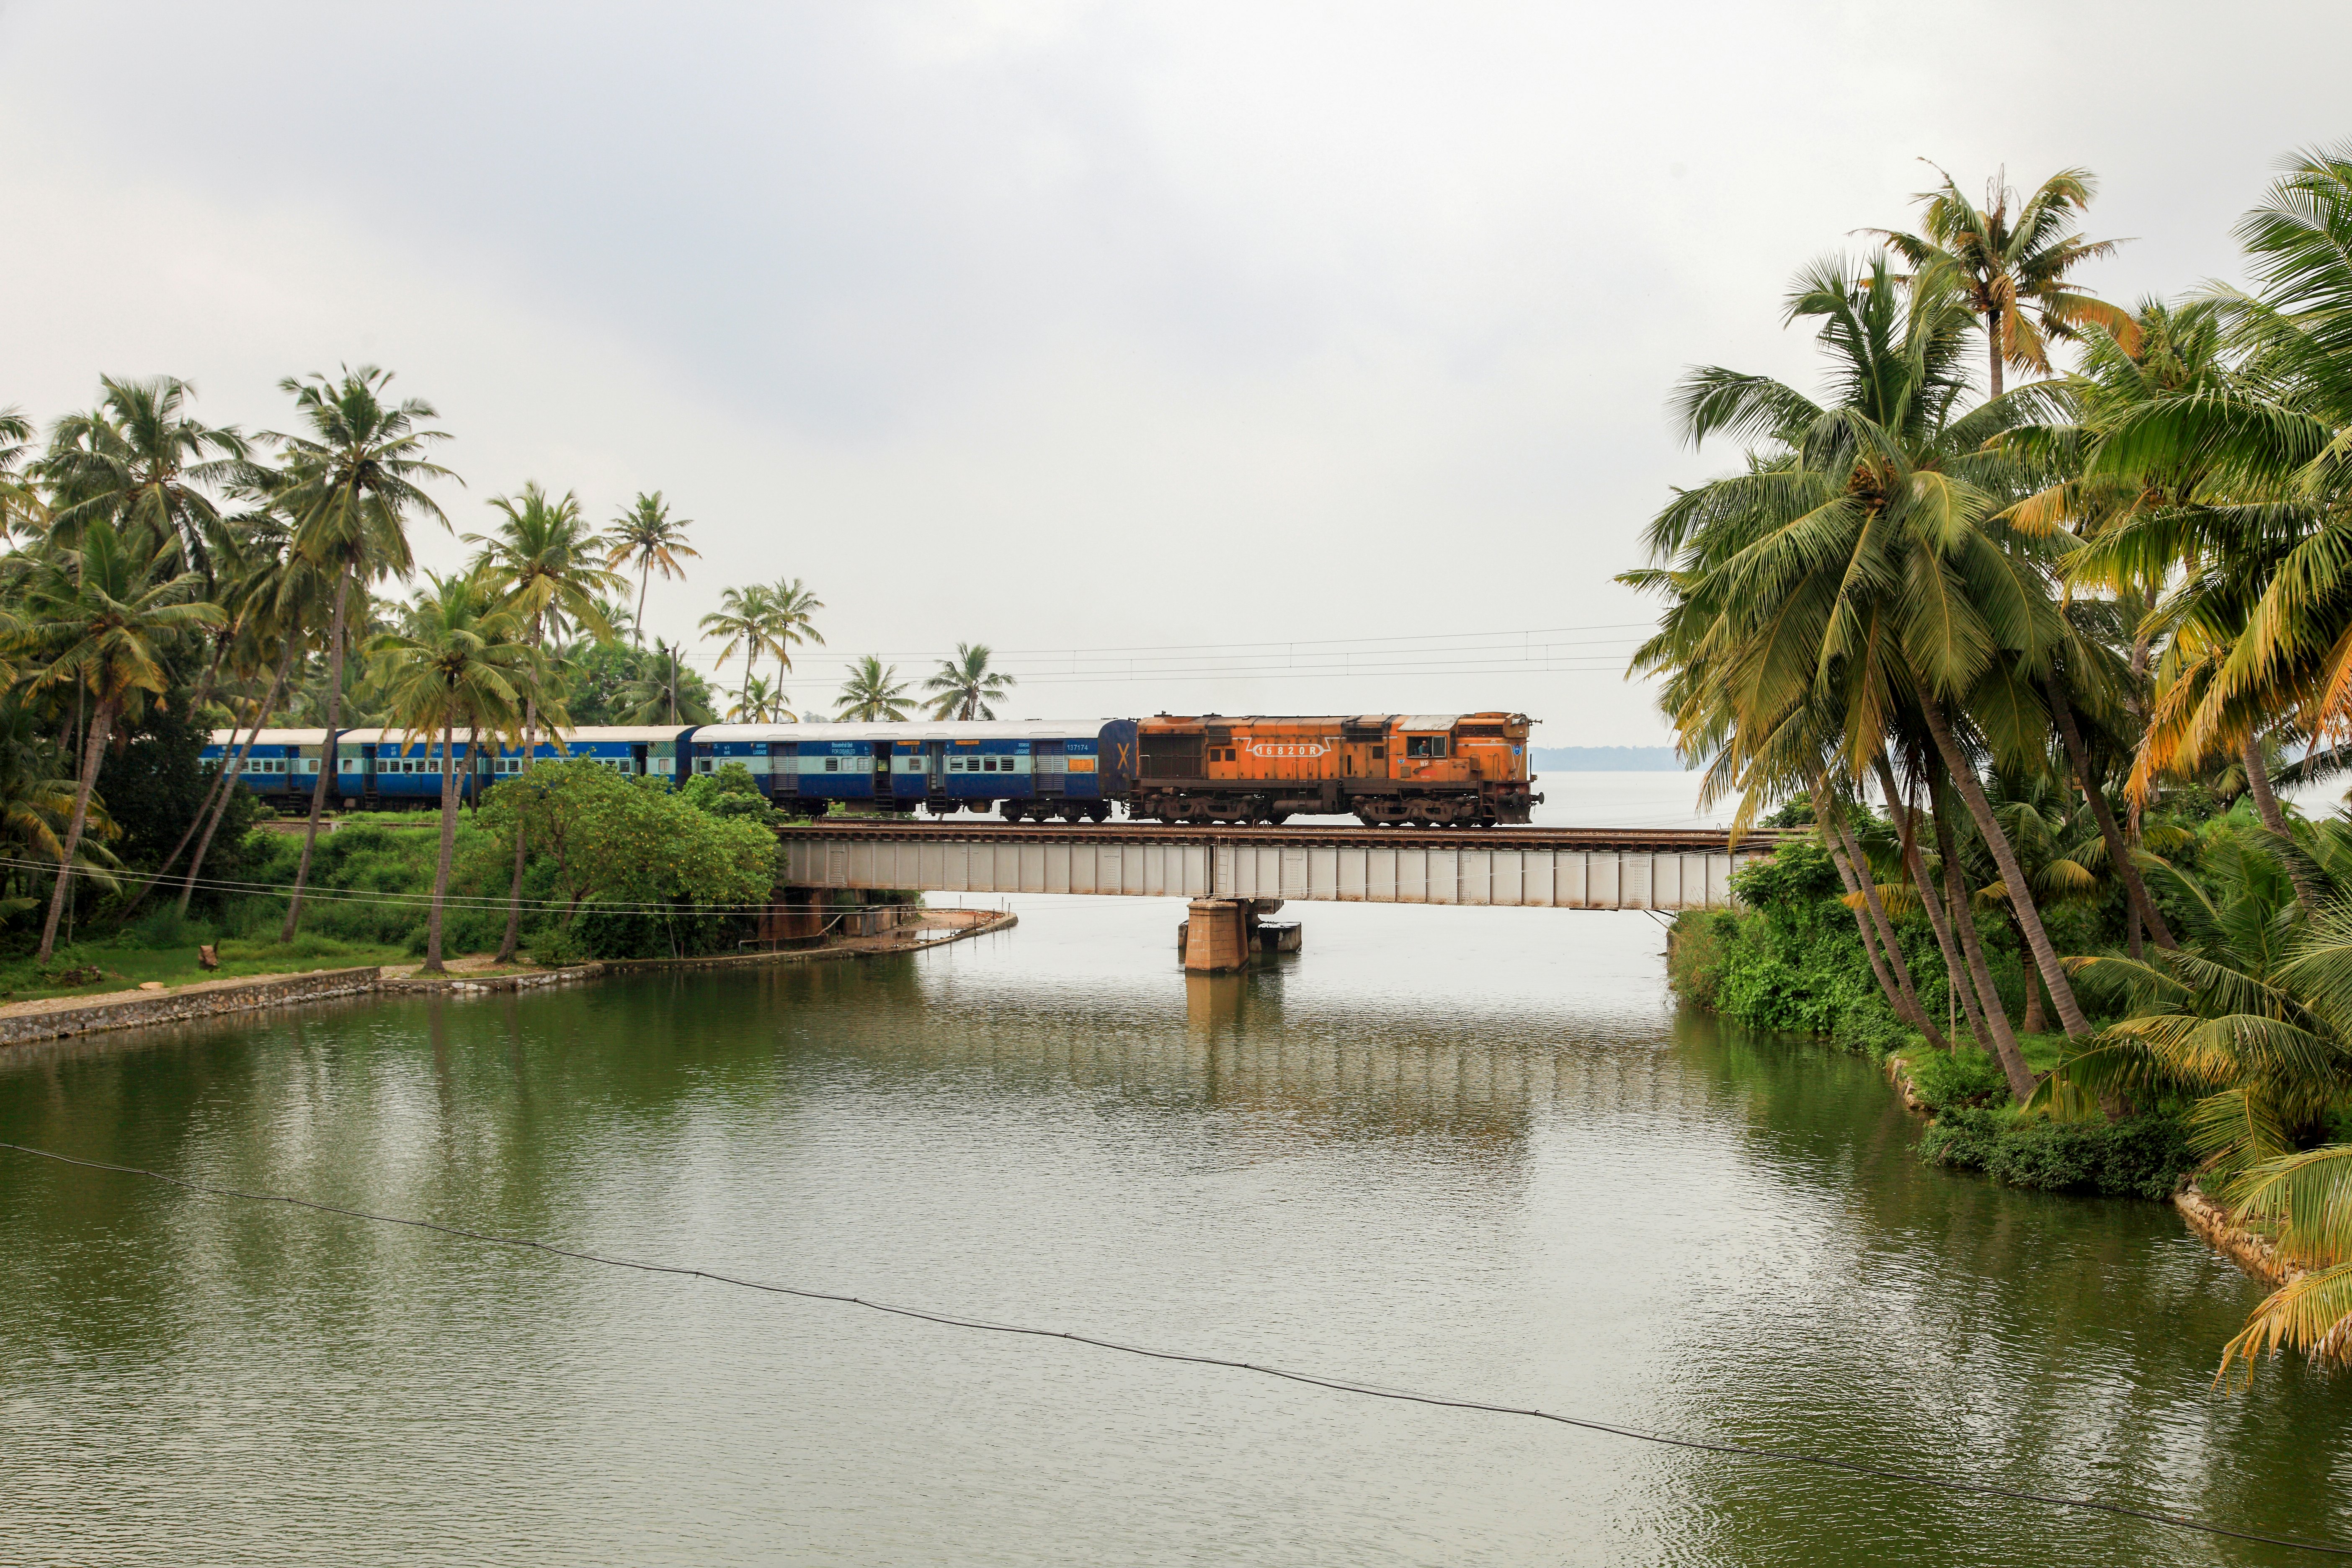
(1963, 1076)
(728, 791)
(628, 867)
(2140, 1156)
(1790, 959)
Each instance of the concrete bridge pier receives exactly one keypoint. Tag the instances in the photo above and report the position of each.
(1220, 934)
(1216, 935)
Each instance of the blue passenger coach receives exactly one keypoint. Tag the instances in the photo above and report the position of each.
(379, 770)
(1070, 771)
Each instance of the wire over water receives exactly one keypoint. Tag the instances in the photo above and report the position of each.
(1336, 1384)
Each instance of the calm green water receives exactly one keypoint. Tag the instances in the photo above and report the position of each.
(1466, 1151)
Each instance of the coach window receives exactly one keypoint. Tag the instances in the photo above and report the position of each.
(833, 765)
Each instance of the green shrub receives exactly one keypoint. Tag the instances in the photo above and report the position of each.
(1962, 1076)
(1870, 1028)
(2141, 1156)
(161, 930)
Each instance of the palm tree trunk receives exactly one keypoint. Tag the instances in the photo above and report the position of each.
(433, 965)
(1992, 343)
(2131, 846)
(1886, 938)
(220, 807)
(326, 775)
(1829, 840)
(1893, 975)
(508, 942)
(1956, 982)
(1964, 778)
(645, 576)
(93, 751)
(2032, 1023)
(2119, 853)
(1993, 1017)
(2266, 806)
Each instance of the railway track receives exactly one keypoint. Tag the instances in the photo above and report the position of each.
(1662, 840)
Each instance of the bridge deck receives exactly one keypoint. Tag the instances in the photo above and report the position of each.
(1549, 868)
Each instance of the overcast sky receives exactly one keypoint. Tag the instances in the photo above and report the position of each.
(1160, 329)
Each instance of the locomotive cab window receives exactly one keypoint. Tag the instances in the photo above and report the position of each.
(1425, 745)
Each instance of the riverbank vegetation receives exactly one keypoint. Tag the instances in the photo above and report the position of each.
(163, 578)
(2024, 650)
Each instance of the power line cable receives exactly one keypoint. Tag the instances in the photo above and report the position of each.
(1336, 1384)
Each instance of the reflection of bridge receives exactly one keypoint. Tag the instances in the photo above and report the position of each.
(1542, 868)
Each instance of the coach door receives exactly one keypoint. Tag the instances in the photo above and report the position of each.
(1047, 773)
(935, 768)
(882, 750)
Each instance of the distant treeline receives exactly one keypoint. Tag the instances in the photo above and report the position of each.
(1604, 760)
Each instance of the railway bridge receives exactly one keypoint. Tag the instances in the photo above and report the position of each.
(1233, 875)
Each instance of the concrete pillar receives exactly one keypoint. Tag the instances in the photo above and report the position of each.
(1216, 936)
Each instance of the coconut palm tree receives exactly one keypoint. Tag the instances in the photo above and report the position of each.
(98, 619)
(664, 691)
(790, 619)
(139, 461)
(1862, 564)
(965, 686)
(739, 622)
(873, 694)
(463, 663)
(21, 508)
(759, 703)
(351, 482)
(649, 536)
(2255, 512)
(2014, 269)
(542, 557)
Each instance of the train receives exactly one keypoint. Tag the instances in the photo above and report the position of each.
(1425, 770)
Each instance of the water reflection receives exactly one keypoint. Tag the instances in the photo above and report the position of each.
(1465, 1149)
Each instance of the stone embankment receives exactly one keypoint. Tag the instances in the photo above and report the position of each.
(2250, 1252)
(22, 1023)
(61, 1018)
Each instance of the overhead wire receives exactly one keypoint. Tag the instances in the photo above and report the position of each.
(1941, 1482)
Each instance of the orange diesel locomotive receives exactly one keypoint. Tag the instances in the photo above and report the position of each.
(1423, 770)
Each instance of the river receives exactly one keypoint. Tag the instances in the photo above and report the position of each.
(1474, 1151)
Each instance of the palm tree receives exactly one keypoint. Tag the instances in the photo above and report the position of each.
(759, 703)
(461, 664)
(2013, 270)
(1861, 565)
(790, 618)
(350, 485)
(542, 558)
(21, 506)
(648, 535)
(966, 686)
(664, 691)
(872, 694)
(100, 615)
(37, 802)
(2255, 509)
(139, 461)
(2250, 1022)
(739, 622)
